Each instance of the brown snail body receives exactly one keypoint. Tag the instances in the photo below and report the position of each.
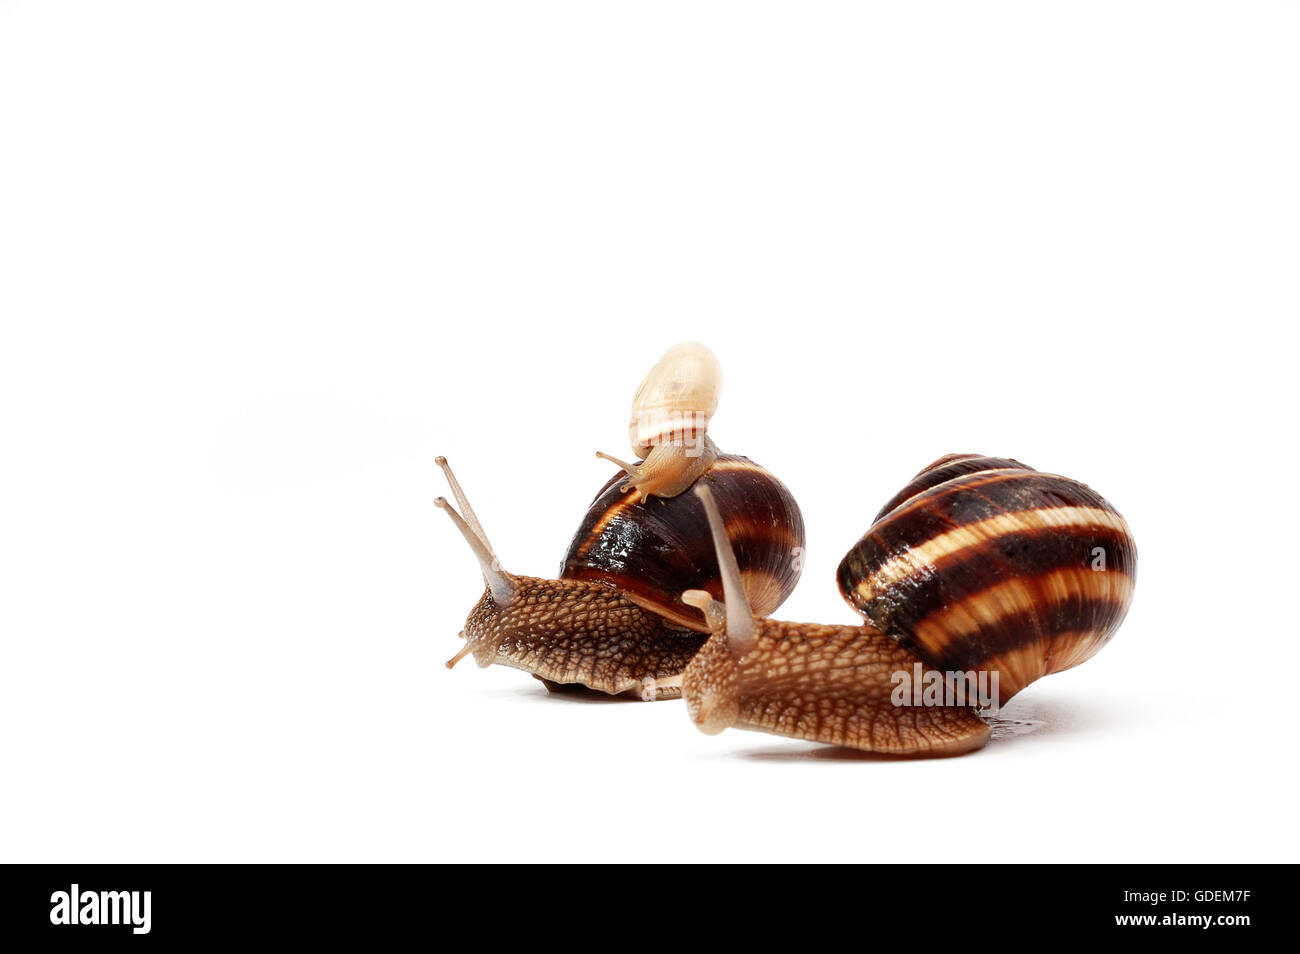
(980, 566)
(614, 620)
(830, 684)
(575, 633)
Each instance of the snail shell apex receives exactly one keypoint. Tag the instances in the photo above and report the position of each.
(656, 550)
(986, 564)
(677, 399)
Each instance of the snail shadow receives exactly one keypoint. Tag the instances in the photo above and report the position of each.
(567, 694)
(816, 752)
(1025, 720)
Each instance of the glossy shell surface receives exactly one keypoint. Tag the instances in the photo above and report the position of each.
(656, 550)
(982, 563)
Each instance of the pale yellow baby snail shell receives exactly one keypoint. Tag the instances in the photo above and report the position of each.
(670, 419)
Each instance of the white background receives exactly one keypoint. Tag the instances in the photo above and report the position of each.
(261, 262)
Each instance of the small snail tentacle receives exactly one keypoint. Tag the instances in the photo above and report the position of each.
(668, 470)
(464, 651)
(715, 613)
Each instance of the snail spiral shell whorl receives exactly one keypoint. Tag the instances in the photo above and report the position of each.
(677, 399)
(982, 563)
(657, 549)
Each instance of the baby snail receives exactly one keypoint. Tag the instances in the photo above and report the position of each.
(981, 570)
(614, 620)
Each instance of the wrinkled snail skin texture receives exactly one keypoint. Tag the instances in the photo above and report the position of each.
(655, 550)
(830, 684)
(983, 563)
(583, 633)
(567, 631)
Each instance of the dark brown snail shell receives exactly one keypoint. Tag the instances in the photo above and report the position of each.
(945, 469)
(654, 551)
(983, 563)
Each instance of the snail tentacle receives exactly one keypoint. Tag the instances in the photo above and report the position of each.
(740, 617)
(501, 583)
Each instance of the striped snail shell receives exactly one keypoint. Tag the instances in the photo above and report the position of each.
(982, 563)
(656, 549)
